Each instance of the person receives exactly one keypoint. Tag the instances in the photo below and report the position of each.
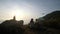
(14, 18)
(32, 23)
(36, 23)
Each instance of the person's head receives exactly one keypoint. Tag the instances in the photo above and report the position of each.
(31, 19)
(36, 19)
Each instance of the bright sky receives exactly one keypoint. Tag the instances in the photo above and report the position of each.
(27, 9)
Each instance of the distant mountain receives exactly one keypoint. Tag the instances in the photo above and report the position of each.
(52, 19)
(53, 16)
(12, 27)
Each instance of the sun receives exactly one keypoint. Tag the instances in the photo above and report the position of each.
(19, 14)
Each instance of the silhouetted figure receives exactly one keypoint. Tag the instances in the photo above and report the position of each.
(14, 18)
(32, 23)
(36, 21)
(37, 24)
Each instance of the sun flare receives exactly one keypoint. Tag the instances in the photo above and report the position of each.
(18, 13)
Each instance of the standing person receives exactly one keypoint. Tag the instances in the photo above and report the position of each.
(32, 23)
(36, 23)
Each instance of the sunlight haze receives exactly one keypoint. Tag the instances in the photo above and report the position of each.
(27, 9)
